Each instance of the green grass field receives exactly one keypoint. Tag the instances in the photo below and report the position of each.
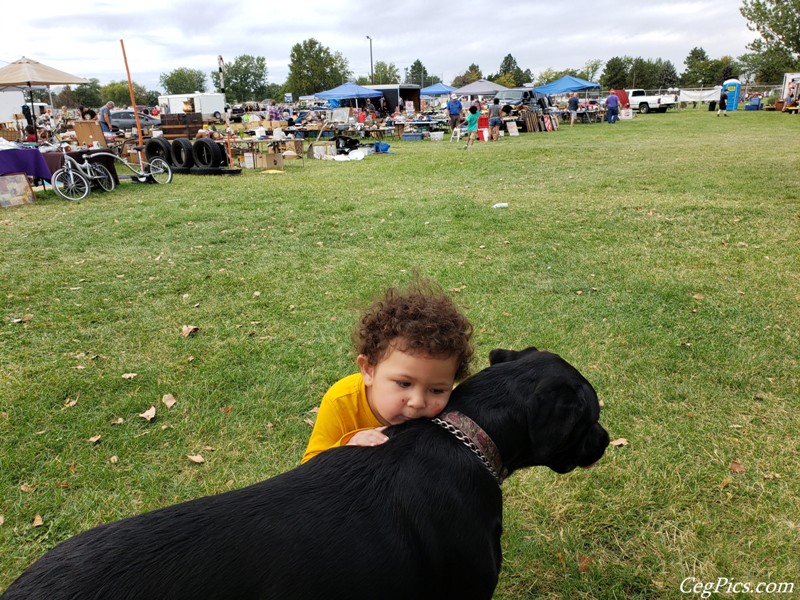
(660, 256)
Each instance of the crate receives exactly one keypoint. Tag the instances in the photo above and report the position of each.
(437, 136)
(12, 135)
(181, 125)
(412, 137)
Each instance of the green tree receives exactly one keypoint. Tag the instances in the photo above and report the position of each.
(666, 75)
(66, 97)
(547, 76)
(314, 68)
(699, 69)
(418, 74)
(119, 93)
(386, 73)
(591, 70)
(89, 94)
(506, 79)
(473, 73)
(245, 79)
(764, 65)
(777, 21)
(183, 81)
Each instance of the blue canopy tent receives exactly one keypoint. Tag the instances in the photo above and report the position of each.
(437, 89)
(568, 83)
(347, 91)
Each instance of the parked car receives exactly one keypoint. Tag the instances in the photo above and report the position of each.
(516, 96)
(125, 119)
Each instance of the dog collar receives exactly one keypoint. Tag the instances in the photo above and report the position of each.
(476, 439)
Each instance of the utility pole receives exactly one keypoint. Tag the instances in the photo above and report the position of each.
(371, 70)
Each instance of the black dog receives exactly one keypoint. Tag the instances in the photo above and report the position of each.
(417, 517)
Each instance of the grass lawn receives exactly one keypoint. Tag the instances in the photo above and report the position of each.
(660, 256)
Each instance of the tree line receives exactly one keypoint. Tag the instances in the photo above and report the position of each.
(314, 67)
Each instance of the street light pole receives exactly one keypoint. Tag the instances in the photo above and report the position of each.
(371, 71)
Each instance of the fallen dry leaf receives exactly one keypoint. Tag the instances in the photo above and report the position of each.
(69, 403)
(226, 410)
(737, 467)
(619, 442)
(772, 476)
(314, 410)
(168, 400)
(64, 485)
(725, 483)
(308, 422)
(38, 521)
(23, 319)
(128, 375)
(95, 439)
(196, 458)
(113, 460)
(27, 488)
(584, 562)
(2, 519)
(698, 296)
(149, 414)
(118, 421)
(188, 330)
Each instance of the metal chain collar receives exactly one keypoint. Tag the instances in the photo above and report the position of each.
(464, 439)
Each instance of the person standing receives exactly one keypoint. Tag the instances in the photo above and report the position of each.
(612, 107)
(454, 111)
(105, 117)
(472, 126)
(723, 102)
(495, 121)
(573, 108)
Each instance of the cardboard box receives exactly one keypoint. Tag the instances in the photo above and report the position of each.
(269, 161)
(89, 132)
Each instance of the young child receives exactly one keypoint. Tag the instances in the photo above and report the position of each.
(412, 347)
(472, 126)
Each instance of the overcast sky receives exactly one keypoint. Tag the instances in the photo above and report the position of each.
(83, 38)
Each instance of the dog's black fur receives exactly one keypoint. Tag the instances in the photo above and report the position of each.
(417, 517)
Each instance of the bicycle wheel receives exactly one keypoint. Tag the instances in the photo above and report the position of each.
(102, 177)
(70, 185)
(160, 171)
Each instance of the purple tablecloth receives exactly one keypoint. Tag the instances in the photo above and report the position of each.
(24, 160)
(55, 160)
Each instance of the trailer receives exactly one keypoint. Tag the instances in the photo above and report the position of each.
(398, 93)
(11, 104)
(210, 105)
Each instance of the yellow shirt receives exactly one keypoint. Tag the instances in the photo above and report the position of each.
(343, 412)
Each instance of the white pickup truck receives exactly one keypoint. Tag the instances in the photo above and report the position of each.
(639, 100)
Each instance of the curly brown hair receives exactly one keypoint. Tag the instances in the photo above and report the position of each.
(421, 321)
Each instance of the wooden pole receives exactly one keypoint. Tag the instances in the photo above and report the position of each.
(133, 98)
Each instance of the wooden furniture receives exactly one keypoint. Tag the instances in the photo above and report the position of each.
(181, 125)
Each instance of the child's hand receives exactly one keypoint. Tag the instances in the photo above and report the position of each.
(368, 437)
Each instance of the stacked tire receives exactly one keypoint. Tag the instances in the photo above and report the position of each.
(203, 157)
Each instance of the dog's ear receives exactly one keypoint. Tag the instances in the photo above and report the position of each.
(498, 355)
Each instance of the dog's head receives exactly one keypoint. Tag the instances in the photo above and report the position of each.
(538, 409)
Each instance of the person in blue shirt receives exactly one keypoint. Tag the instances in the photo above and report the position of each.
(454, 111)
(612, 107)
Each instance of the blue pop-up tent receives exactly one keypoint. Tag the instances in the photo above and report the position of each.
(348, 90)
(568, 83)
(437, 89)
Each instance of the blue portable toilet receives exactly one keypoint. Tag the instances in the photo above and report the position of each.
(734, 89)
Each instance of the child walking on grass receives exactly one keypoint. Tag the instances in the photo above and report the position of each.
(412, 347)
(472, 126)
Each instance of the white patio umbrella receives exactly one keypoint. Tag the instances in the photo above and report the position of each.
(30, 73)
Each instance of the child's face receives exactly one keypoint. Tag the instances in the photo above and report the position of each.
(405, 386)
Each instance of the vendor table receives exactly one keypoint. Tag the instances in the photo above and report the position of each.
(55, 160)
(24, 160)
